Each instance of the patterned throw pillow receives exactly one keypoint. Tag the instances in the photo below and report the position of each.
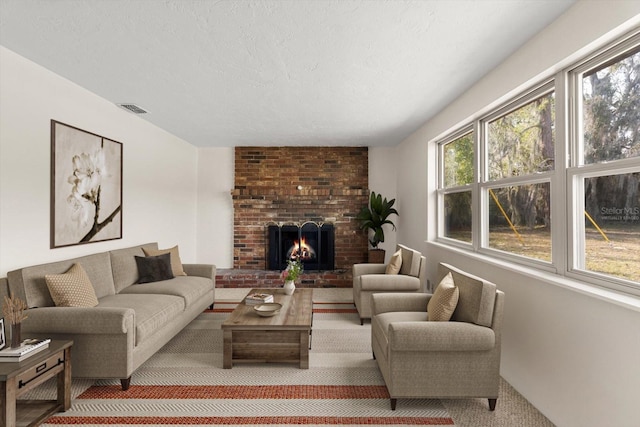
(71, 289)
(176, 263)
(395, 263)
(444, 300)
(154, 268)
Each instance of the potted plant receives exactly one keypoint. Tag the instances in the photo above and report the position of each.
(373, 217)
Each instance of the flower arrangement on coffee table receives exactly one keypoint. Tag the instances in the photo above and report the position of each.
(293, 271)
(290, 275)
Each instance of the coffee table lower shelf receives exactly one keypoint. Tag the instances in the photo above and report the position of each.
(266, 346)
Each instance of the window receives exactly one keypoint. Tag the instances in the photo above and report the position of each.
(520, 142)
(501, 175)
(606, 171)
(457, 166)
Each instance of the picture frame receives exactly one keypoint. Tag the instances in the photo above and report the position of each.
(3, 340)
(86, 187)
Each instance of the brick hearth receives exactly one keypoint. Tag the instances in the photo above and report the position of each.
(236, 278)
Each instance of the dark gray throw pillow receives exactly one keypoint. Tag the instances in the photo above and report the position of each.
(154, 268)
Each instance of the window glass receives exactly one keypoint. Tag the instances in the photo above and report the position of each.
(519, 220)
(612, 225)
(611, 111)
(457, 216)
(521, 142)
(458, 161)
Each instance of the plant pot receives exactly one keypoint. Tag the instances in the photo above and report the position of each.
(376, 256)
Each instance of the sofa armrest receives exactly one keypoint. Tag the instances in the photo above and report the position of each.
(360, 269)
(79, 320)
(200, 270)
(389, 283)
(440, 336)
(390, 302)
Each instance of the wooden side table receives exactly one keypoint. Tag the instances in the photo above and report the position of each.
(20, 377)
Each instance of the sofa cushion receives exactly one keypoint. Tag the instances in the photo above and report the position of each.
(190, 288)
(71, 289)
(153, 312)
(477, 296)
(29, 284)
(123, 263)
(176, 262)
(395, 263)
(410, 261)
(154, 268)
(444, 300)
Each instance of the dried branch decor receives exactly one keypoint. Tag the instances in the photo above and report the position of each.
(13, 309)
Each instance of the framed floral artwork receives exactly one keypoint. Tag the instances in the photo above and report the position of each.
(86, 187)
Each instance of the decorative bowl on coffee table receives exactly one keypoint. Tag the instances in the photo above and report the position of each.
(267, 309)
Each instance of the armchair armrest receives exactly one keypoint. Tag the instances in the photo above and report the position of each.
(440, 336)
(360, 269)
(200, 270)
(389, 282)
(79, 320)
(389, 302)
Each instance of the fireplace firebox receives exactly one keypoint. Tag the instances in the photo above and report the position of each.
(311, 242)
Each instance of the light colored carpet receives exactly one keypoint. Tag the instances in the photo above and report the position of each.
(184, 384)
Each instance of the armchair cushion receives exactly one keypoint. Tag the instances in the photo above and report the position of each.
(444, 300)
(389, 283)
(410, 261)
(477, 296)
(395, 263)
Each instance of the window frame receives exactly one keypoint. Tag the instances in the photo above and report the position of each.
(566, 179)
(442, 191)
(578, 170)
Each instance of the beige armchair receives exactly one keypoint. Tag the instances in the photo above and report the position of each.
(421, 358)
(369, 279)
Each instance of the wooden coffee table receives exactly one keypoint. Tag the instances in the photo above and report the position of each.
(284, 337)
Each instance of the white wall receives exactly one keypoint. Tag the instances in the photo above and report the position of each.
(383, 180)
(159, 177)
(215, 206)
(574, 356)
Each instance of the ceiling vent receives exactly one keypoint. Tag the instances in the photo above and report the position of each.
(133, 108)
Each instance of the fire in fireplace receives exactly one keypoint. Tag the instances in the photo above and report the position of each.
(311, 242)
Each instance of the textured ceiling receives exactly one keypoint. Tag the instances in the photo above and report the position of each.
(269, 72)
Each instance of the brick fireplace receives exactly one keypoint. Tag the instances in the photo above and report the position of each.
(295, 185)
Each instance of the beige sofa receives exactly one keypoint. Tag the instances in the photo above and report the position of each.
(131, 321)
(422, 358)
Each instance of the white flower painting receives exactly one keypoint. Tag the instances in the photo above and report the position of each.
(86, 187)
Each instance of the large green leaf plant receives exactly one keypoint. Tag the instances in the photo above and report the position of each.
(375, 215)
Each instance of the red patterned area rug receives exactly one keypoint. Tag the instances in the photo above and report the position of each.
(184, 384)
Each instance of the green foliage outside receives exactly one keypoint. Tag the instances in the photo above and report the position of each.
(521, 143)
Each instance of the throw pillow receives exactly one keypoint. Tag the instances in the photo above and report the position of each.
(71, 289)
(444, 300)
(176, 263)
(395, 263)
(154, 268)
